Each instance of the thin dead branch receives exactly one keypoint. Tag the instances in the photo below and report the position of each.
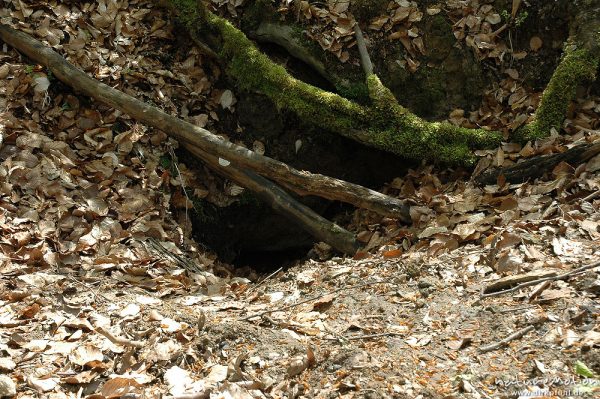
(119, 340)
(516, 335)
(563, 276)
(536, 166)
(365, 59)
(282, 202)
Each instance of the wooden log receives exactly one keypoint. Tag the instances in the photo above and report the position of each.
(534, 167)
(283, 203)
(278, 199)
(302, 182)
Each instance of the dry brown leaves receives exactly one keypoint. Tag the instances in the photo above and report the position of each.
(84, 191)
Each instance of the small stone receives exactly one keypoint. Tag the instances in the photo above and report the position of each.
(7, 386)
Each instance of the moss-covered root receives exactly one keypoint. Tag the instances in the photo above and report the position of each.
(577, 66)
(398, 130)
(385, 125)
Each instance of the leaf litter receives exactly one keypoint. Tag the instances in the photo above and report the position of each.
(90, 305)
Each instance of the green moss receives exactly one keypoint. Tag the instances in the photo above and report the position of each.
(576, 66)
(189, 13)
(384, 124)
(254, 71)
(357, 91)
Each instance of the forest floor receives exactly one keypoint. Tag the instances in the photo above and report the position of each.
(104, 294)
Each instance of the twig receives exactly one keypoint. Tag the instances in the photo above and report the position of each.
(516, 335)
(366, 336)
(592, 196)
(538, 291)
(264, 280)
(119, 340)
(365, 60)
(563, 276)
(283, 309)
(94, 292)
(197, 395)
(204, 49)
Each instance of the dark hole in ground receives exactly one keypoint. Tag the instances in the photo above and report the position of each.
(249, 233)
(264, 262)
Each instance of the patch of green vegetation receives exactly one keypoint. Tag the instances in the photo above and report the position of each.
(576, 66)
(165, 162)
(357, 91)
(412, 137)
(518, 20)
(384, 124)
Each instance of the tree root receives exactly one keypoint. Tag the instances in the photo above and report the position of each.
(579, 64)
(210, 147)
(401, 132)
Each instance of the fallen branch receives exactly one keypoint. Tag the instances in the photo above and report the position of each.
(119, 340)
(497, 345)
(535, 167)
(486, 292)
(300, 181)
(362, 337)
(196, 395)
(283, 203)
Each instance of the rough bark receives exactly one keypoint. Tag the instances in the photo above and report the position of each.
(535, 167)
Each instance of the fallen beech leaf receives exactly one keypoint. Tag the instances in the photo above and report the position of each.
(42, 385)
(394, 253)
(119, 386)
(218, 373)
(324, 302)
(298, 365)
(85, 354)
(30, 311)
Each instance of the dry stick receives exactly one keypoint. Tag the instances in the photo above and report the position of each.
(536, 166)
(197, 395)
(264, 280)
(119, 340)
(592, 196)
(505, 341)
(282, 202)
(361, 337)
(365, 60)
(302, 181)
(563, 276)
(283, 309)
